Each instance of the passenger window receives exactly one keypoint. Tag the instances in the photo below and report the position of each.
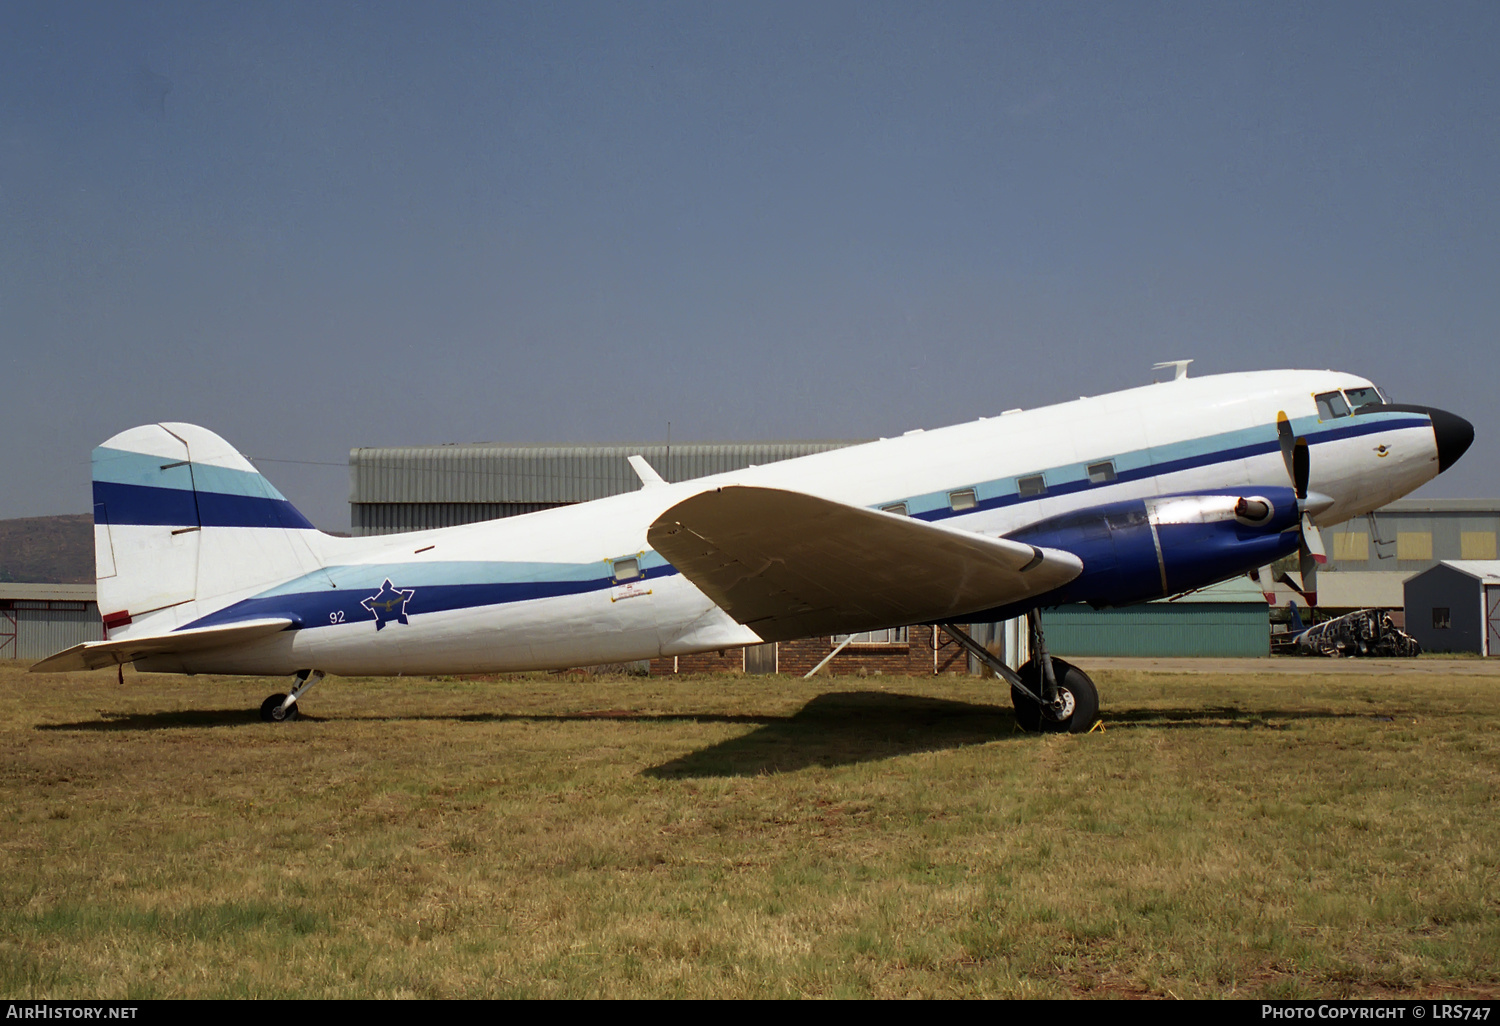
(627, 569)
(898, 508)
(962, 500)
(1363, 397)
(1331, 405)
(1029, 486)
(1102, 473)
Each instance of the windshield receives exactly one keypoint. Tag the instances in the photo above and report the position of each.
(1330, 405)
(1364, 397)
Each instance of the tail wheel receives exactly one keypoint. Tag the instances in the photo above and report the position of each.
(271, 711)
(1077, 708)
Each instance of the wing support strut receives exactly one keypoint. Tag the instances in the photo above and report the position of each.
(1039, 655)
(828, 658)
(988, 658)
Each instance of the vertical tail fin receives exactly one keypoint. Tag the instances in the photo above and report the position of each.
(180, 516)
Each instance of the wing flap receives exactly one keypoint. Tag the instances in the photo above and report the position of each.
(792, 565)
(93, 654)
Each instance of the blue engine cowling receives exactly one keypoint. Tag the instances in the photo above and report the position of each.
(1149, 548)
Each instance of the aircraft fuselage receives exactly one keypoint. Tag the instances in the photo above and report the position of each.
(558, 588)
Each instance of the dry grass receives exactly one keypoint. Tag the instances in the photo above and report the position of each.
(1244, 835)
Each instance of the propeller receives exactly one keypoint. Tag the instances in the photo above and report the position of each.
(1265, 577)
(1298, 459)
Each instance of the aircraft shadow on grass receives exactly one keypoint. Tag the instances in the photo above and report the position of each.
(835, 728)
(845, 727)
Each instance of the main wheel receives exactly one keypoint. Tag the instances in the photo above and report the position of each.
(1078, 700)
(271, 711)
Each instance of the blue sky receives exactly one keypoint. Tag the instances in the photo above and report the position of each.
(316, 226)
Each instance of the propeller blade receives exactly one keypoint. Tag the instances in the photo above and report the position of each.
(1312, 541)
(1287, 439)
(1301, 467)
(1263, 577)
(1309, 567)
(1294, 454)
(1286, 579)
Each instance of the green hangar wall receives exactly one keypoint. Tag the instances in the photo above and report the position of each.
(1230, 619)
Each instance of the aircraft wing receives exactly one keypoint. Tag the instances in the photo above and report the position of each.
(93, 654)
(791, 565)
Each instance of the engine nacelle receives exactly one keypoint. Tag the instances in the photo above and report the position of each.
(1149, 548)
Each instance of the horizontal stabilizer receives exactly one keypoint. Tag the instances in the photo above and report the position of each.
(791, 565)
(93, 654)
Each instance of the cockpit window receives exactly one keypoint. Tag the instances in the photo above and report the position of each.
(1364, 397)
(1330, 405)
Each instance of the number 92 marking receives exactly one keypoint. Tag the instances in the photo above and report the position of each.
(337, 616)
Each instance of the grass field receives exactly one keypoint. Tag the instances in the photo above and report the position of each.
(1228, 834)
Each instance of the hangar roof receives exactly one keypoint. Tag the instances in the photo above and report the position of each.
(1486, 570)
(491, 472)
(10, 592)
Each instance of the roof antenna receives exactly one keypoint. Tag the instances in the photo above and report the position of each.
(1180, 365)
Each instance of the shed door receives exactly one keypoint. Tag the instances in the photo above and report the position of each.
(760, 658)
(1492, 619)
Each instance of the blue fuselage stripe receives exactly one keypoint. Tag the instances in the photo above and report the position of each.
(1170, 466)
(126, 504)
(329, 607)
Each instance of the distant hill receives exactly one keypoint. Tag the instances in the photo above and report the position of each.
(48, 550)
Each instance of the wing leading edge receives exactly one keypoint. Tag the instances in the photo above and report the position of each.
(791, 565)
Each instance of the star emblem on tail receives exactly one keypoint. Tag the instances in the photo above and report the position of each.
(389, 603)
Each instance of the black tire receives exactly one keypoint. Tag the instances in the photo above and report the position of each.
(270, 710)
(1079, 695)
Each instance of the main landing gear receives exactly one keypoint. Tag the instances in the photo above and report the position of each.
(1050, 696)
(278, 708)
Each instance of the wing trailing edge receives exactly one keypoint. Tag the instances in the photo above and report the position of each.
(791, 565)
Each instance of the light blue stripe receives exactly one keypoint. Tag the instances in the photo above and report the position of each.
(417, 574)
(115, 466)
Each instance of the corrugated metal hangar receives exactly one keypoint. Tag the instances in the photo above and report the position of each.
(1370, 558)
(413, 489)
(39, 619)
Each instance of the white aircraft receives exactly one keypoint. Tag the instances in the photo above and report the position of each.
(204, 567)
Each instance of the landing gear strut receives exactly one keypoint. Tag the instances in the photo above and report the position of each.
(1050, 695)
(278, 708)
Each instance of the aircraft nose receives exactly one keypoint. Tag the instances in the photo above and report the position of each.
(1454, 436)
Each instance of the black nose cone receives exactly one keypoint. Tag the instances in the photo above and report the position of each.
(1454, 436)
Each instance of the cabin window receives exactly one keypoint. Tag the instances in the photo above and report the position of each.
(898, 508)
(893, 636)
(961, 500)
(627, 569)
(1364, 397)
(1102, 473)
(1029, 486)
(1331, 405)
(1441, 621)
